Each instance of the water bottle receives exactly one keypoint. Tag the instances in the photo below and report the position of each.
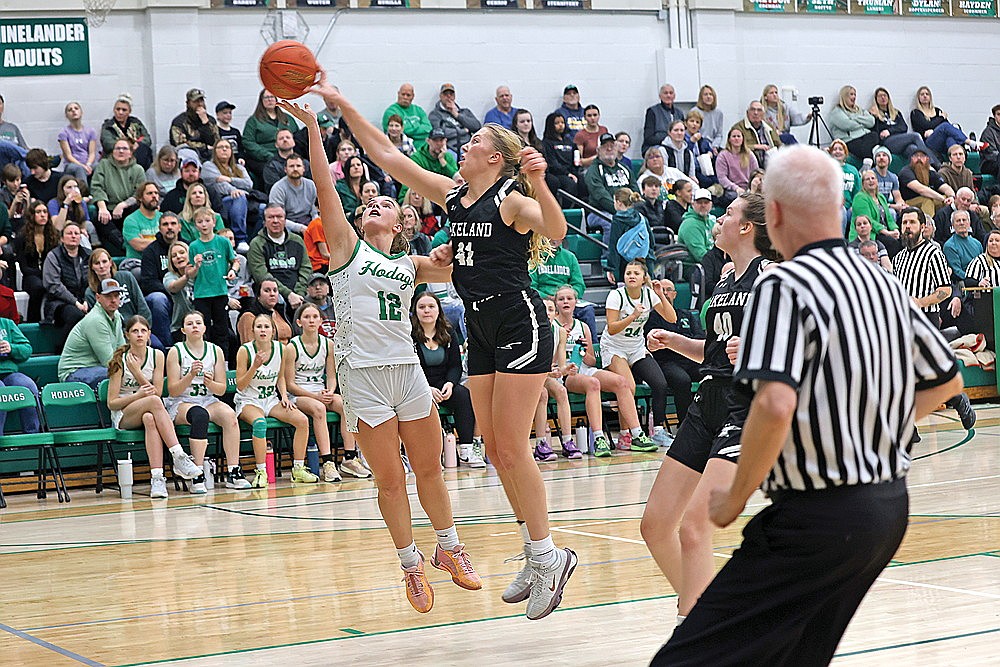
(576, 354)
(125, 477)
(583, 438)
(649, 422)
(208, 469)
(312, 457)
(450, 451)
(269, 464)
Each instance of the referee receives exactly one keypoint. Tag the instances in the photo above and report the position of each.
(841, 362)
(922, 268)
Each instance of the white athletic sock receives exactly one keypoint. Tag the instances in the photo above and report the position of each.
(261, 466)
(408, 555)
(156, 472)
(543, 552)
(176, 451)
(598, 434)
(522, 528)
(636, 432)
(298, 464)
(680, 619)
(448, 538)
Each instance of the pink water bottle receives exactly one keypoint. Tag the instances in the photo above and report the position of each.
(269, 464)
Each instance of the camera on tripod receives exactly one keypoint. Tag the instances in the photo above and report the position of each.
(815, 101)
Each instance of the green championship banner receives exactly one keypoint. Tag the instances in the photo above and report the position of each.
(977, 9)
(926, 7)
(44, 47)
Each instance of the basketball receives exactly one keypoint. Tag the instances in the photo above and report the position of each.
(288, 69)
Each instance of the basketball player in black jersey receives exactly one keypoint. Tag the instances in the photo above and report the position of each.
(707, 445)
(501, 218)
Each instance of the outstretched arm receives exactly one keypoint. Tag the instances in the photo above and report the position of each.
(340, 235)
(378, 147)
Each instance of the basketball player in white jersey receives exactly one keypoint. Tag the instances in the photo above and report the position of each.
(135, 378)
(386, 395)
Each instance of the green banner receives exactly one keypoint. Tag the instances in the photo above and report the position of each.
(977, 9)
(823, 6)
(926, 8)
(44, 47)
(873, 7)
(773, 6)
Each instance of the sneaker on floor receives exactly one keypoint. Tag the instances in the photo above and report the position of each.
(158, 487)
(543, 452)
(602, 447)
(643, 443)
(519, 589)
(303, 475)
(662, 438)
(470, 455)
(329, 472)
(965, 410)
(235, 479)
(418, 589)
(355, 468)
(547, 584)
(624, 441)
(259, 479)
(571, 451)
(456, 563)
(185, 467)
(198, 486)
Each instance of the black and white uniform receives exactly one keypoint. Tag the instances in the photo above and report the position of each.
(505, 317)
(848, 339)
(714, 422)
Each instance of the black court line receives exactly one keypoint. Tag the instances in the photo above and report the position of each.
(50, 646)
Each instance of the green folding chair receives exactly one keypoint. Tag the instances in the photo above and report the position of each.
(18, 398)
(73, 418)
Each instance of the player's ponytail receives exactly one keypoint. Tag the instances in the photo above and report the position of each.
(117, 363)
(753, 212)
(510, 144)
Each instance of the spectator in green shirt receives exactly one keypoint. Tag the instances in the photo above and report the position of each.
(696, 227)
(94, 339)
(140, 227)
(416, 124)
(215, 262)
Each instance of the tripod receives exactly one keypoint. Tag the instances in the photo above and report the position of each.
(814, 129)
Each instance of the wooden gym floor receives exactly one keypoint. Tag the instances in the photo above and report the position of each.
(307, 575)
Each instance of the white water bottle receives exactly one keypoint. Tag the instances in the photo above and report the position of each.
(450, 452)
(125, 479)
(208, 467)
(583, 439)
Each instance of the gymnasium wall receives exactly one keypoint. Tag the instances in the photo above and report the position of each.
(615, 57)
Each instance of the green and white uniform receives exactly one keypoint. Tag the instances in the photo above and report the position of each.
(574, 351)
(630, 343)
(310, 371)
(197, 393)
(263, 388)
(377, 365)
(130, 385)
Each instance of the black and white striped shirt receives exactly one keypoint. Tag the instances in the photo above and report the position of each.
(984, 266)
(922, 270)
(846, 336)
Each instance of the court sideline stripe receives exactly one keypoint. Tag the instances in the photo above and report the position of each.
(50, 646)
(918, 643)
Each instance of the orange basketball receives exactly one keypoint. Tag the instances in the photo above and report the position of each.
(288, 69)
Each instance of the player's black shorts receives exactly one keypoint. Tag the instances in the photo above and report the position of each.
(713, 426)
(509, 333)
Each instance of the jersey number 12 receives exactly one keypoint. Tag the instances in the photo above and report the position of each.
(389, 306)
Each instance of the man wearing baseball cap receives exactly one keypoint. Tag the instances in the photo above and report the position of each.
(195, 128)
(605, 176)
(93, 340)
(224, 120)
(571, 110)
(435, 156)
(695, 232)
(458, 123)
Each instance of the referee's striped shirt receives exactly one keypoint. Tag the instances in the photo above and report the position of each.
(984, 266)
(922, 270)
(847, 337)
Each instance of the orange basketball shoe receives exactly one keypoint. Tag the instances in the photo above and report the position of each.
(457, 564)
(418, 589)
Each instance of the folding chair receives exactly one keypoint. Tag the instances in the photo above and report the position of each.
(17, 398)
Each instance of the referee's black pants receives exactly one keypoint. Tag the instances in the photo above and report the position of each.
(789, 591)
